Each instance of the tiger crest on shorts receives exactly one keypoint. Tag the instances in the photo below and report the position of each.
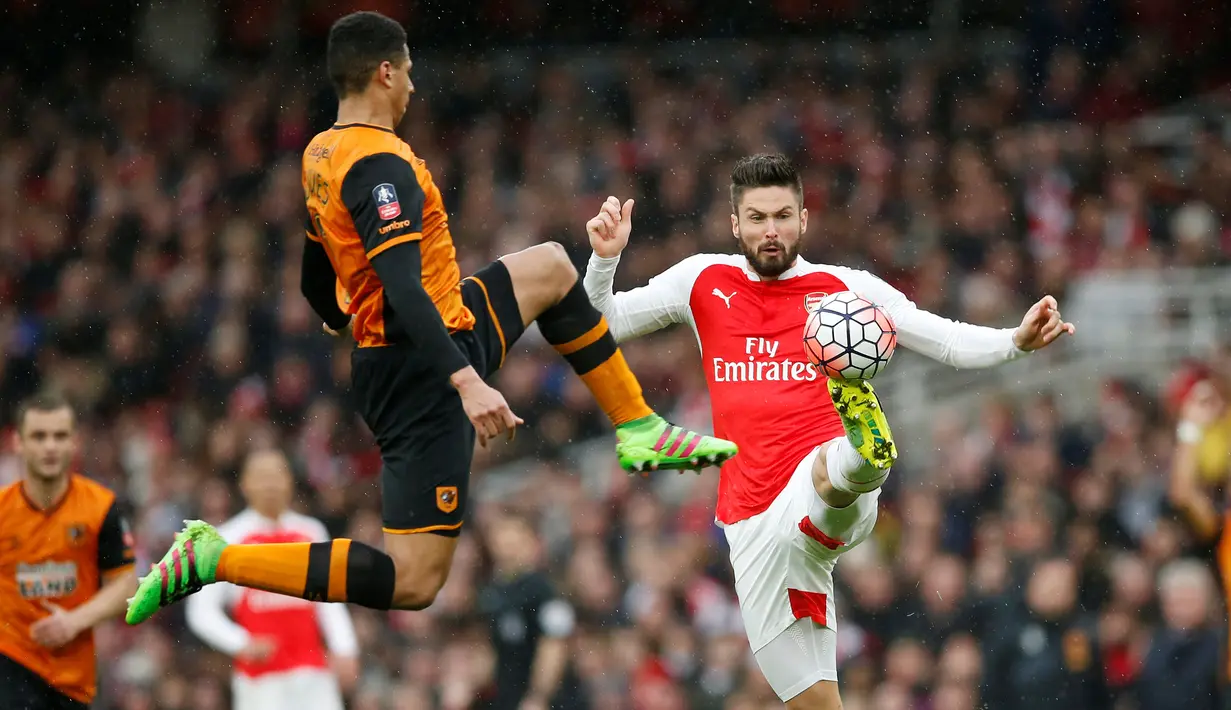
(446, 498)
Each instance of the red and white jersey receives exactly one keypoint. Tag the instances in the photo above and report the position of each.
(227, 616)
(764, 395)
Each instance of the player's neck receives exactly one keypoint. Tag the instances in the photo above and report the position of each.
(361, 109)
(269, 514)
(44, 493)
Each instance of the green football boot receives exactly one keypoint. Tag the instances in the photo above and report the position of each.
(652, 444)
(188, 566)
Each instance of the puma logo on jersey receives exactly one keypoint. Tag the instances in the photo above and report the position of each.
(725, 298)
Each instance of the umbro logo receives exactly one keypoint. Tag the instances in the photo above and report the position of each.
(725, 298)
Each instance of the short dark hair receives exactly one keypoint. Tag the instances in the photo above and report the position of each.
(358, 43)
(44, 401)
(763, 170)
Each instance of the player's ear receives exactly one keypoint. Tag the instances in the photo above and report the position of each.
(735, 225)
(803, 220)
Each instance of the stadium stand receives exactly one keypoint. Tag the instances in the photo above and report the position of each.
(150, 229)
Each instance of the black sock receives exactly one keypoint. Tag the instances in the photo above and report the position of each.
(579, 332)
(370, 577)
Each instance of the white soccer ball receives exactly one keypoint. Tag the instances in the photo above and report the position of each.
(847, 337)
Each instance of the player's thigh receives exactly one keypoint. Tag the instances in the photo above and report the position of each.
(426, 444)
(426, 441)
(314, 689)
(267, 692)
(490, 295)
(801, 665)
(540, 277)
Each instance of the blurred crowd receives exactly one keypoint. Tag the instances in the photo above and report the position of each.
(149, 243)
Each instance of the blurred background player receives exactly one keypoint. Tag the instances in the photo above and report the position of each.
(66, 565)
(426, 343)
(806, 486)
(530, 621)
(278, 642)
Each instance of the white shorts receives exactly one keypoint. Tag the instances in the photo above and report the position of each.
(783, 559)
(301, 689)
(799, 658)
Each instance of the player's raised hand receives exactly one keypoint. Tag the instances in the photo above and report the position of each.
(487, 410)
(1041, 326)
(609, 230)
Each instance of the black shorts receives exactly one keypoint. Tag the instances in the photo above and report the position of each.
(426, 441)
(23, 689)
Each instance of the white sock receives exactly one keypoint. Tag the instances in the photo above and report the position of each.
(849, 472)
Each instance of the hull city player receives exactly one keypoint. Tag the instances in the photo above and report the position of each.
(278, 642)
(805, 486)
(379, 264)
(66, 565)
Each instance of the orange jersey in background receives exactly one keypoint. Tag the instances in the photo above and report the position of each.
(57, 555)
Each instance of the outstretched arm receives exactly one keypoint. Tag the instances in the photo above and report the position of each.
(641, 311)
(630, 314)
(958, 344)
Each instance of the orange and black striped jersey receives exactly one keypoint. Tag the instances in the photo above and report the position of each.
(366, 192)
(58, 555)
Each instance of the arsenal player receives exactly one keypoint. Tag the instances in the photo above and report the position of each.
(278, 642)
(804, 488)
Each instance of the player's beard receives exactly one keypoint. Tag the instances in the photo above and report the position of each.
(770, 265)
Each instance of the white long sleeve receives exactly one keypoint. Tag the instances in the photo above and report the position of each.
(953, 343)
(339, 632)
(207, 617)
(660, 303)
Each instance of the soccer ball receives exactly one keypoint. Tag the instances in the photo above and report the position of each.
(847, 337)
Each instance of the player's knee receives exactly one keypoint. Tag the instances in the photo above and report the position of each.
(559, 265)
(418, 579)
(416, 594)
(558, 256)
